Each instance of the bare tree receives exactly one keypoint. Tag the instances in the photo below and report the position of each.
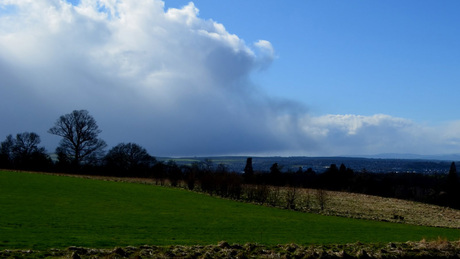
(291, 197)
(274, 196)
(322, 198)
(26, 144)
(307, 199)
(79, 133)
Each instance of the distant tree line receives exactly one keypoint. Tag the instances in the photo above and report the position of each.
(81, 151)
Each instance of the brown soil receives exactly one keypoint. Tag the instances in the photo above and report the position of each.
(422, 249)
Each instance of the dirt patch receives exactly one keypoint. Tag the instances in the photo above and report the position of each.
(422, 249)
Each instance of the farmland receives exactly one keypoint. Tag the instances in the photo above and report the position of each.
(42, 211)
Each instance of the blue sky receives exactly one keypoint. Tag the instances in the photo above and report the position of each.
(354, 57)
(237, 77)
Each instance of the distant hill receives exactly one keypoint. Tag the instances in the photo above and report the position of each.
(444, 157)
(378, 164)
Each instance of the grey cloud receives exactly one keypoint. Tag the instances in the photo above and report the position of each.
(162, 83)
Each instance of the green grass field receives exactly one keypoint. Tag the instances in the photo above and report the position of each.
(42, 211)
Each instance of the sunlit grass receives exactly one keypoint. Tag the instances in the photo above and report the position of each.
(42, 211)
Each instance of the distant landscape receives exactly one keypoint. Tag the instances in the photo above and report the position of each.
(376, 164)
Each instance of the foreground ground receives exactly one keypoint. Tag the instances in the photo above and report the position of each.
(435, 249)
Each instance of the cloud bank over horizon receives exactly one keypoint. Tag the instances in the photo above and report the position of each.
(174, 83)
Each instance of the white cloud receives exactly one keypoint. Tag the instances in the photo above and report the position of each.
(266, 47)
(172, 82)
(380, 133)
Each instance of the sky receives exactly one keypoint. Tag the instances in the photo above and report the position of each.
(201, 78)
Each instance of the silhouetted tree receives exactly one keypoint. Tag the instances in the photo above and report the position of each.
(275, 170)
(333, 170)
(6, 152)
(159, 172)
(342, 169)
(452, 176)
(129, 159)
(174, 173)
(80, 141)
(248, 171)
(222, 168)
(275, 175)
(64, 162)
(309, 178)
(344, 177)
(331, 178)
(27, 143)
(452, 189)
(191, 174)
(207, 182)
(235, 187)
(23, 152)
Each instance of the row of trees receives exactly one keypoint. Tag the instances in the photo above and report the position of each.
(80, 148)
(82, 151)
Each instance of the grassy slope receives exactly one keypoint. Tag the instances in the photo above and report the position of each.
(42, 211)
(362, 206)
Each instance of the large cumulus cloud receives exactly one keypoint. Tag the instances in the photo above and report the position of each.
(170, 81)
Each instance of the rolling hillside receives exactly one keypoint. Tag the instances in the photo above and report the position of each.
(44, 211)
